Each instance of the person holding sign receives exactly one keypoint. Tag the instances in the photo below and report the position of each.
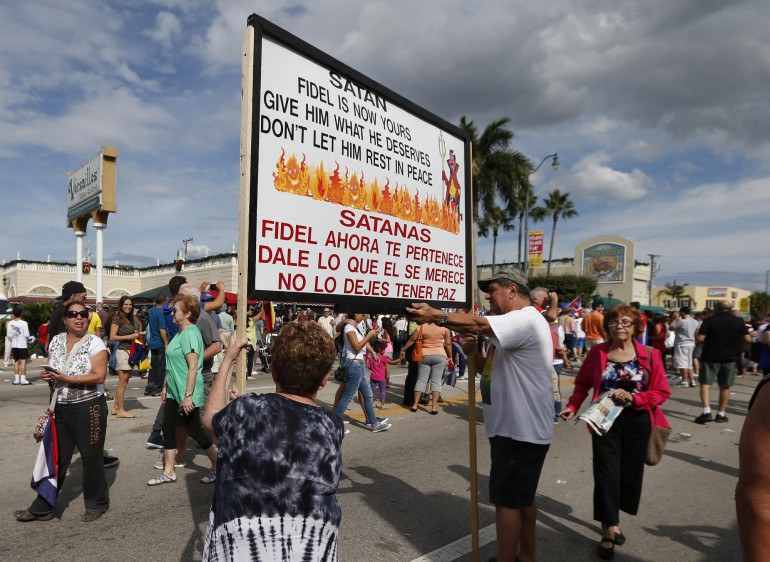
(279, 456)
(518, 411)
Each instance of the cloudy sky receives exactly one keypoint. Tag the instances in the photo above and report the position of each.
(658, 111)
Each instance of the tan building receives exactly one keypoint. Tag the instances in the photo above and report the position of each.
(38, 280)
(610, 260)
(699, 298)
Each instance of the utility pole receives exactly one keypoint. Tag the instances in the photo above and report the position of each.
(185, 242)
(653, 271)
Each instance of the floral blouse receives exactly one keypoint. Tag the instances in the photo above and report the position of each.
(626, 375)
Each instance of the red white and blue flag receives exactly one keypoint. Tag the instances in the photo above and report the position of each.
(577, 304)
(45, 474)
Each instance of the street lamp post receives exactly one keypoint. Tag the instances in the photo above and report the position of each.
(555, 166)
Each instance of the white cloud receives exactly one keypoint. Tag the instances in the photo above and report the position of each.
(167, 29)
(593, 179)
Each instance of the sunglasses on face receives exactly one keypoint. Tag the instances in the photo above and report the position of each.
(75, 313)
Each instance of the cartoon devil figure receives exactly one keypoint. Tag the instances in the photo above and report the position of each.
(452, 183)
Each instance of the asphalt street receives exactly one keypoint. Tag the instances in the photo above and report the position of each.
(404, 493)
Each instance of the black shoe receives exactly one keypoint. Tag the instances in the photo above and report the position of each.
(440, 399)
(604, 552)
(703, 418)
(721, 419)
(110, 462)
(155, 440)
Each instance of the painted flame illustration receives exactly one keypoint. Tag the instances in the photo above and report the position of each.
(352, 190)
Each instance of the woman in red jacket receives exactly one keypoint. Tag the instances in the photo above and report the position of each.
(634, 375)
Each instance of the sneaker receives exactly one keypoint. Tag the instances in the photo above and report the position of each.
(210, 478)
(108, 396)
(110, 462)
(692, 385)
(25, 383)
(379, 420)
(160, 465)
(161, 479)
(721, 419)
(703, 418)
(684, 384)
(382, 426)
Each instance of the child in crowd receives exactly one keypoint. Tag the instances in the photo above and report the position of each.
(378, 365)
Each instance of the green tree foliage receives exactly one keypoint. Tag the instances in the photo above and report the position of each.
(498, 171)
(566, 286)
(677, 293)
(35, 312)
(760, 305)
(557, 206)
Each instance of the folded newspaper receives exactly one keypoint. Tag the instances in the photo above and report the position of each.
(602, 413)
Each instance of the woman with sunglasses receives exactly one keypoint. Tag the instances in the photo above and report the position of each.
(634, 375)
(124, 330)
(78, 367)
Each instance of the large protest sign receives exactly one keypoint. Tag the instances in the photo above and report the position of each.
(348, 190)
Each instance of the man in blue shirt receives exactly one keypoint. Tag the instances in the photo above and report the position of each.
(157, 340)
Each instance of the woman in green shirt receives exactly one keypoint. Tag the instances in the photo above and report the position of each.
(183, 392)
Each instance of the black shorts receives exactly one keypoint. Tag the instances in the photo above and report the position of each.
(19, 353)
(515, 473)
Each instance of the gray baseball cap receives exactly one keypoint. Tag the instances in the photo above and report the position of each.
(509, 274)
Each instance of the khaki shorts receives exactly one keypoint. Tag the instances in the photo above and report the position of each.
(683, 356)
(121, 360)
(722, 373)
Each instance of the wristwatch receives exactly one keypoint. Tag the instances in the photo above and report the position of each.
(444, 315)
(188, 395)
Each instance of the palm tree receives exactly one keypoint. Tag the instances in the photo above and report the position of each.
(557, 206)
(498, 171)
(494, 219)
(677, 293)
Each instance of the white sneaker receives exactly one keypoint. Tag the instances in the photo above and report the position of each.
(382, 426)
(210, 478)
(161, 479)
(160, 465)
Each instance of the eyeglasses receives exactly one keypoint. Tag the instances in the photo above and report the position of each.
(75, 313)
(624, 323)
(325, 311)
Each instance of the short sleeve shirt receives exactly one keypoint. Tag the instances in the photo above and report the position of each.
(185, 342)
(521, 386)
(79, 365)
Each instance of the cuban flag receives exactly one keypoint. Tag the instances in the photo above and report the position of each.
(577, 304)
(45, 474)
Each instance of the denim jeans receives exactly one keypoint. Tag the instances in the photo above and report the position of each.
(113, 347)
(357, 380)
(157, 370)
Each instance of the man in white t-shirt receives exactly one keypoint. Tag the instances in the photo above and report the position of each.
(517, 392)
(18, 330)
(684, 327)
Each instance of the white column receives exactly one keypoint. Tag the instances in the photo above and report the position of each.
(99, 259)
(79, 253)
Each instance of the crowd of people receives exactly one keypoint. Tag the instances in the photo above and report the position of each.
(266, 501)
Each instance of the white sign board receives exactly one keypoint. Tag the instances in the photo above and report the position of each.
(356, 193)
(84, 188)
